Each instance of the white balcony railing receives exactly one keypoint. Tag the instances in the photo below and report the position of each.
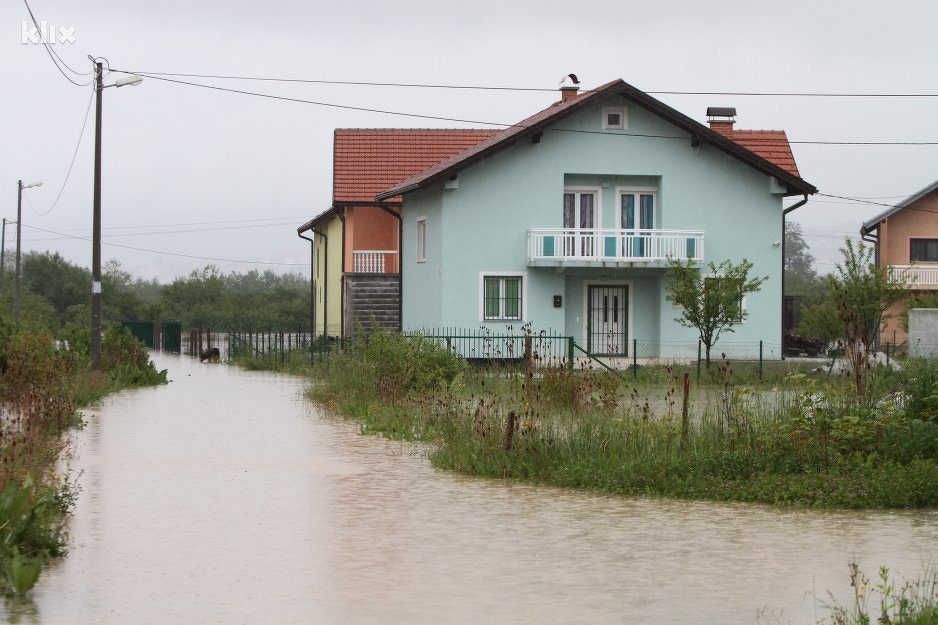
(915, 276)
(374, 261)
(609, 245)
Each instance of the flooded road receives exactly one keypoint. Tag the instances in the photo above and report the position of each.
(225, 497)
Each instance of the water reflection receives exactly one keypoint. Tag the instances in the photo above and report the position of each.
(225, 498)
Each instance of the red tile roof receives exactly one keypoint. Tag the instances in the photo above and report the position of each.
(767, 151)
(772, 145)
(369, 160)
(501, 138)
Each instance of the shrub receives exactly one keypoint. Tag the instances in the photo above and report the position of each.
(400, 363)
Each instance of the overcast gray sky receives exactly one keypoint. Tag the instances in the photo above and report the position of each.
(192, 174)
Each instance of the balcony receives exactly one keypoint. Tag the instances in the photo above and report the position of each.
(375, 261)
(609, 247)
(915, 277)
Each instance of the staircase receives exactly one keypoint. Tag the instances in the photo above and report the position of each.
(372, 299)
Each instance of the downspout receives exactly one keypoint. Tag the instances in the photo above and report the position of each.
(400, 262)
(312, 285)
(784, 228)
(342, 319)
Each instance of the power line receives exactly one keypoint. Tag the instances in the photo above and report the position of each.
(53, 55)
(488, 123)
(527, 89)
(71, 165)
(287, 219)
(141, 249)
(186, 231)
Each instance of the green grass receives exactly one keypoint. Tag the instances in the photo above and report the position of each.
(806, 441)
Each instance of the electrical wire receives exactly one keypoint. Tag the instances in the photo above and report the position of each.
(290, 219)
(186, 231)
(72, 164)
(530, 89)
(489, 123)
(141, 249)
(53, 55)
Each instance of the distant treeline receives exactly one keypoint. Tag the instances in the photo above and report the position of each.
(56, 294)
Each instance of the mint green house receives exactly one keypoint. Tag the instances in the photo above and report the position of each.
(565, 222)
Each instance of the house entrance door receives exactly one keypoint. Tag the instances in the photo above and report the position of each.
(607, 320)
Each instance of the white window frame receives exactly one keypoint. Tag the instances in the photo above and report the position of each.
(421, 240)
(524, 295)
(622, 111)
(637, 191)
(597, 204)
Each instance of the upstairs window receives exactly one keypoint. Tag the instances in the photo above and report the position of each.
(421, 240)
(923, 250)
(615, 118)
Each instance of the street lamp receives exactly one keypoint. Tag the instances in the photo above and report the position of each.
(127, 81)
(19, 233)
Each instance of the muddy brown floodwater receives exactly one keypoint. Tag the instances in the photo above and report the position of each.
(225, 497)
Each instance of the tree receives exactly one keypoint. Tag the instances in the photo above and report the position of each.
(862, 293)
(821, 321)
(798, 258)
(712, 304)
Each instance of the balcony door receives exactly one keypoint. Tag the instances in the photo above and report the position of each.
(607, 319)
(636, 212)
(579, 212)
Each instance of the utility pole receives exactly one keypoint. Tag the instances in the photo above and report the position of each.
(19, 232)
(3, 249)
(96, 226)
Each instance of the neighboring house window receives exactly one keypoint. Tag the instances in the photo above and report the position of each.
(729, 309)
(923, 250)
(502, 298)
(615, 118)
(422, 240)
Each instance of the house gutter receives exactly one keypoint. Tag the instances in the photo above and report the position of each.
(325, 287)
(784, 228)
(341, 216)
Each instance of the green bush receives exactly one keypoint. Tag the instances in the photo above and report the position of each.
(127, 360)
(32, 529)
(399, 363)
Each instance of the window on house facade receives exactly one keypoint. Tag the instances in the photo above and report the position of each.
(421, 244)
(615, 118)
(923, 250)
(723, 304)
(502, 298)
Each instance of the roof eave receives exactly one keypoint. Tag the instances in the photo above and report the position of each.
(795, 185)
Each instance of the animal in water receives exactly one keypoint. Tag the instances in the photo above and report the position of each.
(211, 354)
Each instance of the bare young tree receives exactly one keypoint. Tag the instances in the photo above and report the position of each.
(862, 293)
(712, 304)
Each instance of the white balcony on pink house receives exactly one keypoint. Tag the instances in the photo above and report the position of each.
(611, 247)
(924, 276)
(375, 261)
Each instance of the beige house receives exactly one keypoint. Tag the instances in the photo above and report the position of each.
(906, 239)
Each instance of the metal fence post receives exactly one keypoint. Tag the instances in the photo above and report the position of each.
(698, 361)
(634, 359)
(570, 353)
(887, 353)
(760, 359)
